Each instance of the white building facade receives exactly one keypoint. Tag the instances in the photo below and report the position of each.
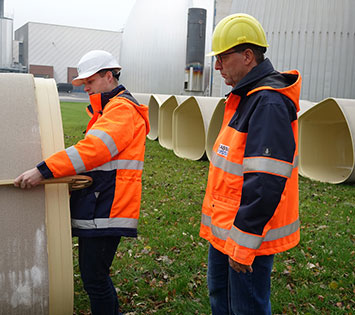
(61, 47)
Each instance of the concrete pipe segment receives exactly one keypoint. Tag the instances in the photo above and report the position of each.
(190, 126)
(36, 269)
(165, 125)
(327, 141)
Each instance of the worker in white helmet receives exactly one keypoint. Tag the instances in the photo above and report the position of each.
(112, 153)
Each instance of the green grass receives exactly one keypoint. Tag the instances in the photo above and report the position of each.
(164, 270)
(75, 121)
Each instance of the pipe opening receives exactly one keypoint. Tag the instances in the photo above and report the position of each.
(326, 146)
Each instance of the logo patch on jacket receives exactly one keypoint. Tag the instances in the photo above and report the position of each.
(266, 151)
(223, 150)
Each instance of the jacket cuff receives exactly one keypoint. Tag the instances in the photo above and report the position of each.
(239, 253)
(44, 170)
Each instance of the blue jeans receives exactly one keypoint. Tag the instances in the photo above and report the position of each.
(95, 258)
(233, 293)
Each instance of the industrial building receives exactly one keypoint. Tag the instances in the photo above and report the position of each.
(316, 37)
(53, 51)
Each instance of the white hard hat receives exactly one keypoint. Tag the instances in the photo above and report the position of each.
(92, 62)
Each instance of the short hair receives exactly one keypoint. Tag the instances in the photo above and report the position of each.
(258, 51)
(115, 73)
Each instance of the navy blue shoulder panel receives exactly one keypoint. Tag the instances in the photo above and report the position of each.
(126, 94)
(119, 91)
(276, 80)
(249, 105)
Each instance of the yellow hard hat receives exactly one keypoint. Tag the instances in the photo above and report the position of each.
(237, 29)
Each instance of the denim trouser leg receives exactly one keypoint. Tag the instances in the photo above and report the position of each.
(95, 258)
(217, 280)
(247, 293)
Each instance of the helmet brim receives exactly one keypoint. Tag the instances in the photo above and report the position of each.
(211, 54)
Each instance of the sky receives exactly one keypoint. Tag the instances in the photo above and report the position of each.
(103, 14)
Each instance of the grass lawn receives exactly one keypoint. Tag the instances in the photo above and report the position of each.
(164, 270)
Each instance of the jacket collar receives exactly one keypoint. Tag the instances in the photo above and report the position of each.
(98, 101)
(254, 75)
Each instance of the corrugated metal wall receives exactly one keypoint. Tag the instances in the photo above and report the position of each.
(316, 37)
(154, 45)
(63, 46)
(5, 42)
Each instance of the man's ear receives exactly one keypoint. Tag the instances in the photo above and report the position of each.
(109, 75)
(248, 56)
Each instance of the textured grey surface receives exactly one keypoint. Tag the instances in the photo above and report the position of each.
(24, 260)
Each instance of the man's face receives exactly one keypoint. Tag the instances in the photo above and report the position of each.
(97, 84)
(231, 65)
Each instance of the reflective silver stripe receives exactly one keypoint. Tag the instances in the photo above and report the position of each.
(76, 160)
(225, 165)
(246, 240)
(260, 164)
(216, 231)
(282, 231)
(220, 232)
(106, 138)
(254, 241)
(105, 223)
(295, 162)
(206, 220)
(120, 165)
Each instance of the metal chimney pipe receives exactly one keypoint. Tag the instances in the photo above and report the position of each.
(195, 49)
(1, 8)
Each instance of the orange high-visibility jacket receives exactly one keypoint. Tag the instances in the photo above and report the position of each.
(251, 202)
(112, 153)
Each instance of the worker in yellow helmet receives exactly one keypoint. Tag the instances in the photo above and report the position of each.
(250, 210)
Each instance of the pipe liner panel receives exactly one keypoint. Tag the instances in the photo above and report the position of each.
(165, 125)
(59, 240)
(188, 130)
(326, 146)
(36, 274)
(142, 98)
(24, 279)
(214, 127)
(190, 125)
(155, 102)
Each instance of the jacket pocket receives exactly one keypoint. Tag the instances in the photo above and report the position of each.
(224, 210)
